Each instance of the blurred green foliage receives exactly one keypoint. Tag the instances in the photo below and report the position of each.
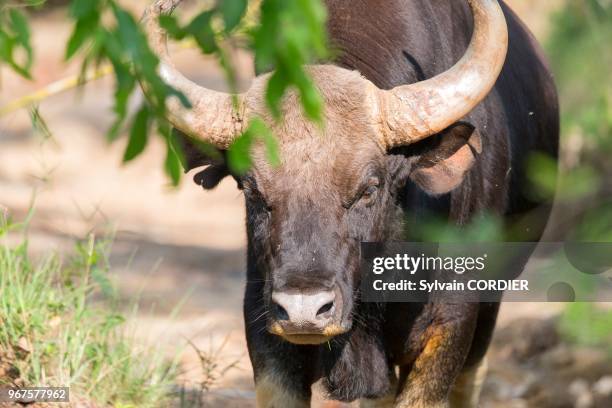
(286, 36)
(290, 35)
(581, 54)
(588, 325)
(580, 49)
(15, 39)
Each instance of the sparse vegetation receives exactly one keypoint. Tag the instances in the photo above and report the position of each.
(59, 326)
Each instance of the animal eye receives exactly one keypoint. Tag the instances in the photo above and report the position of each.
(366, 194)
(370, 191)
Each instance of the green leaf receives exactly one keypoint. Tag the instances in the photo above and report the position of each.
(19, 37)
(138, 134)
(84, 30)
(182, 98)
(272, 150)
(172, 164)
(124, 88)
(6, 46)
(311, 100)
(266, 37)
(291, 34)
(174, 153)
(201, 30)
(228, 70)
(274, 92)
(239, 153)
(84, 8)
(232, 11)
(128, 32)
(172, 27)
(20, 27)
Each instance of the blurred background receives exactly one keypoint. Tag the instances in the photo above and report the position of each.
(179, 253)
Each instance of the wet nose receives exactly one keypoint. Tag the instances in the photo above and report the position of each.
(304, 312)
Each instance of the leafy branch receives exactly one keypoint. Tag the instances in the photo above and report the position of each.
(107, 39)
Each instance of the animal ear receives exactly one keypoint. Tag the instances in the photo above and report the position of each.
(442, 168)
(197, 154)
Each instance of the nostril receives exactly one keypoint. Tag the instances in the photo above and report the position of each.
(325, 308)
(302, 309)
(279, 312)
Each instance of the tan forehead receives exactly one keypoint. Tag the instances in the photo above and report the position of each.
(345, 142)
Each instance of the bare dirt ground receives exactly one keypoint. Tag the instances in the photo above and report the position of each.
(181, 246)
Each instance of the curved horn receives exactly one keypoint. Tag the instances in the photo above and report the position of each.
(414, 112)
(212, 118)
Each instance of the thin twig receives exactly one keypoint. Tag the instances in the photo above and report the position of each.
(56, 87)
(67, 83)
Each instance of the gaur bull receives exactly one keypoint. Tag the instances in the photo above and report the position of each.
(431, 106)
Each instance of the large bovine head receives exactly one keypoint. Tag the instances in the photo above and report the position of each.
(338, 184)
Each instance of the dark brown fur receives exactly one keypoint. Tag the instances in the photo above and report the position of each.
(306, 218)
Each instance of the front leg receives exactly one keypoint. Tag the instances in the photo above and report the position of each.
(274, 392)
(446, 342)
(386, 401)
(467, 388)
(283, 372)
